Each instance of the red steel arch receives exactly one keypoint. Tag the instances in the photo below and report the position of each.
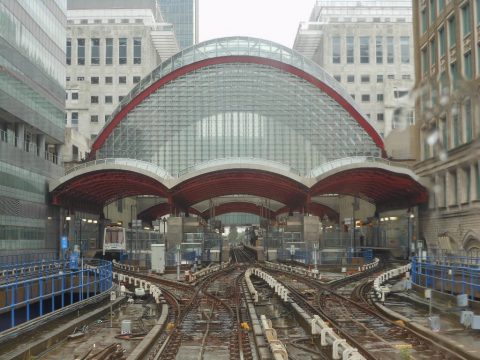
(102, 137)
(239, 181)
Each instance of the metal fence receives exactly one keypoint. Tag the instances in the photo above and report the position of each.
(16, 260)
(452, 274)
(29, 295)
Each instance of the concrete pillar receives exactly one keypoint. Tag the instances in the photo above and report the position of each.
(59, 151)
(20, 135)
(41, 145)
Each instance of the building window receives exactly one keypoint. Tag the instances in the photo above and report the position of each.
(441, 41)
(364, 49)
(120, 98)
(68, 78)
(379, 97)
(424, 60)
(467, 111)
(108, 80)
(336, 56)
(477, 6)
(137, 50)
(365, 98)
(406, 77)
(405, 49)
(109, 51)
(453, 74)
(379, 78)
(390, 50)
(424, 20)
(136, 79)
(95, 52)
(80, 78)
(122, 79)
(122, 51)
(106, 118)
(94, 118)
(74, 118)
(75, 95)
(467, 65)
(81, 51)
(108, 99)
(379, 49)
(466, 19)
(94, 80)
(380, 117)
(120, 201)
(433, 13)
(433, 52)
(69, 51)
(365, 78)
(350, 50)
(350, 78)
(391, 76)
(456, 129)
(452, 36)
(353, 96)
(94, 99)
(441, 5)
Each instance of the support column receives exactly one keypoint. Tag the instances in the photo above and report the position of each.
(20, 135)
(59, 151)
(41, 145)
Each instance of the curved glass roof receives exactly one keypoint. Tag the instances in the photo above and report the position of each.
(238, 110)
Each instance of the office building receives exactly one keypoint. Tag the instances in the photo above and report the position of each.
(367, 46)
(110, 47)
(32, 105)
(447, 68)
(183, 14)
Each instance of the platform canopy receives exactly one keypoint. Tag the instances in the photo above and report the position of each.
(235, 116)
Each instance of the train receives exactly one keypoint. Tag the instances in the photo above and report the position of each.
(114, 240)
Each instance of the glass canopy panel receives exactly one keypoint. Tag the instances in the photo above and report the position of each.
(239, 46)
(238, 110)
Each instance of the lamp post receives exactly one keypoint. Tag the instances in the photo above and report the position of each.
(410, 218)
(164, 220)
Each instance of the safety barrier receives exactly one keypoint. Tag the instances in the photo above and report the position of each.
(208, 270)
(251, 288)
(279, 289)
(138, 282)
(125, 267)
(370, 265)
(312, 272)
(452, 275)
(294, 270)
(340, 348)
(30, 269)
(26, 299)
(25, 259)
(279, 351)
(381, 290)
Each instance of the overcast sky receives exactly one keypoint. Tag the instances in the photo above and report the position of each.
(275, 20)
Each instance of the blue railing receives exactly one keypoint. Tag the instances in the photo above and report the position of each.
(454, 275)
(23, 299)
(17, 259)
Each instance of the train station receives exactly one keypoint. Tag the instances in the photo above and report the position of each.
(237, 203)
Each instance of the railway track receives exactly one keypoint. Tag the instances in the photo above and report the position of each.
(206, 318)
(376, 336)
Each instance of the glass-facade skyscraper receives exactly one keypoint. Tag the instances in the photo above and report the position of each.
(32, 115)
(183, 14)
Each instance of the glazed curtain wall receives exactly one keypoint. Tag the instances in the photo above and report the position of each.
(238, 110)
